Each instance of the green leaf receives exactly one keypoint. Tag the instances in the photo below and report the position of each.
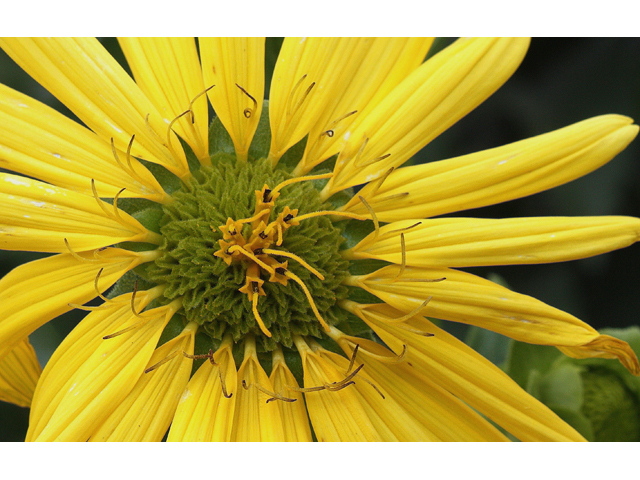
(491, 345)
(524, 357)
(562, 386)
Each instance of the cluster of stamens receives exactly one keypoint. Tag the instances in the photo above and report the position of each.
(250, 240)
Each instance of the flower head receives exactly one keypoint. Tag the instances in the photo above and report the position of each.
(257, 295)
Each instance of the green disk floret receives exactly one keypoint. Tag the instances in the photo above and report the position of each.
(209, 287)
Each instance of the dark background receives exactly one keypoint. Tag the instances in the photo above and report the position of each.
(560, 82)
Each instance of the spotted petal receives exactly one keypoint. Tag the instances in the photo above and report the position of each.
(387, 63)
(236, 67)
(308, 75)
(38, 217)
(255, 419)
(470, 242)
(36, 292)
(87, 79)
(294, 414)
(146, 413)
(106, 378)
(435, 96)
(77, 347)
(19, 373)
(168, 71)
(39, 142)
(466, 298)
(206, 409)
(469, 376)
(499, 174)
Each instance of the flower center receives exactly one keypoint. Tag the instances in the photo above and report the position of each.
(250, 250)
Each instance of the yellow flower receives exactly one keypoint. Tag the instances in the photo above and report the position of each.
(243, 247)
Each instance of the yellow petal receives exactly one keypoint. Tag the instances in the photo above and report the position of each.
(19, 373)
(435, 96)
(387, 63)
(470, 242)
(466, 298)
(255, 420)
(75, 350)
(467, 375)
(106, 377)
(499, 174)
(168, 71)
(38, 217)
(39, 142)
(294, 414)
(38, 291)
(231, 63)
(605, 346)
(205, 413)
(309, 74)
(147, 412)
(372, 414)
(441, 413)
(83, 75)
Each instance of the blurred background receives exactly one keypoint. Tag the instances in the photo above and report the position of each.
(561, 81)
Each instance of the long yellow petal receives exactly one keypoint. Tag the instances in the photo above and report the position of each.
(441, 413)
(75, 350)
(39, 142)
(147, 412)
(236, 67)
(38, 217)
(499, 174)
(206, 409)
(294, 414)
(466, 298)
(307, 79)
(255, 420)
(106, 377)
(387, 63)
(467, 375)
(19, 373)
(168, 71)
(435, 96)
(374, 415)
(38, 291)
(470, 242)
(83, 75)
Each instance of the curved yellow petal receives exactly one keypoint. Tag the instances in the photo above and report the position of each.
(386, 64)
(357, 410)
(38, 291)
(37, 141)
(147, 412)
(467, 375)
(83, 75)
(441, 413)
(499, 174)
(466, 298)
(236, 67)
(294, 414)
(606, 346)
(255, 419)
(106, 377)
(19, 373)
(470, 242)
(435, 96)
(168, 71)
(75, 350)
(206, 409)
(307, 79)
(39, 217)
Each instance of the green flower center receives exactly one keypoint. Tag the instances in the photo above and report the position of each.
(235, 254)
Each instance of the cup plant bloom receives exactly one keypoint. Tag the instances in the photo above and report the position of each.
(255, 292)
